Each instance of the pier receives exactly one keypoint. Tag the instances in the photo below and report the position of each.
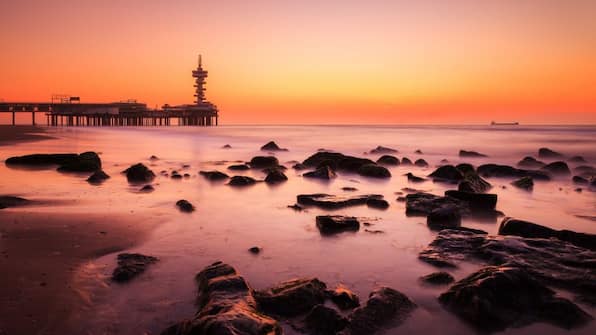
(65, 110)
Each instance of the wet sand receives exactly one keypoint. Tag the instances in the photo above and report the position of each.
(16, 134)
(39, 253)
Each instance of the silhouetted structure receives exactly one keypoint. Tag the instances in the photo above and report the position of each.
(69, 111)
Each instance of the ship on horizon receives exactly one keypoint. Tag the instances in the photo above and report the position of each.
(493, 123)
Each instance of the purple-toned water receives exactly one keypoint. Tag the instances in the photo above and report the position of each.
(228, 220)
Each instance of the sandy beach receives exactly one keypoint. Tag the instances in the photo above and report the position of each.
(18, 134)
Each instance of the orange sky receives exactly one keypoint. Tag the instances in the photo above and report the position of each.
(373, 61)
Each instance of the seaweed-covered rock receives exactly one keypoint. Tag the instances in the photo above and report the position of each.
(272, 146)
(526, 183)
(382, 150)
(421, 163)
(495, 298)
(464, 153)
(344, 298)
(438, 278)
(139, 173)
(374, 171)
(214, 175)
(559, 168)
(331, 224)
(259, 162)
(324, 172)
(241, 181)
(323, 320)
(495, 170)
(275, 176)
(511, 226)
(97, 177)
(226, 306)
(414, 179)
(444, 218)
(530, 162)
(131, 265)
(185, 206)
(548, 153)
(384, 306)
(11, 201)
(328, 201)
(388, 160)
(447, 173)
(239, 167)
(291, 298)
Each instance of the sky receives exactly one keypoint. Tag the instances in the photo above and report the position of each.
(312, 62)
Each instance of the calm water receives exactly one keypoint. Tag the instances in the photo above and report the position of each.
(228, 221)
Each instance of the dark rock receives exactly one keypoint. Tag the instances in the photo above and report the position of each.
(323, 320)
(414, 179)
(444, 218)
(328, 163)
(153, 158)
(255, 250)
(495, 298)
(382, 150)
(98, 177)
(186, 175)
(328, 201)
(577, 159)
(444, 161)
(42, 159)
(139, 173)
(331, 224)
(147, 188)
(548, 153)
(214, 175)
(226, 307)
(344, 298)
(131, 265)
(421, 163)
(10, 201)
(296, 207)
(85, 162)
(272, 146)
(299, 166)
(227, 146)
(185, 206)
(494, 170)
(580, 180)
(465, 168)
(473, 183)
(476, 201)
(374, 171)
(424, 203)
(239, 167)
(418, 151)
(438, 278)
(530, 162)
(241, 181)
(447, 173)
(349, 189)
(388, 160)
(343, 162)
(259, 162)
(526, 183)
(511, 226)
(558, 167)
(384, 306)
(275, 177)
(176, 175)
(377, 203)
(292, 297)
(406, 161)
(324, 172)
(464, 153)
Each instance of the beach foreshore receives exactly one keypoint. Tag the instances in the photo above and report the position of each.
(16, 134)
(39, 255)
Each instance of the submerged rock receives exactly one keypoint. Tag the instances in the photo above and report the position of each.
(131, 265)
(275, 176)
(384, 306)
(526, 183)
(299, 166)
(328, 201)
(558, 167)
(388, 160)
(147, 189)
(85, 162)
(580, 180)
(444, 218)
(344, 298)
(421, 163)
(214, 175)
(226, 306)
(495, 298)
(414, 179)
(226, 146)
(254, 250)
(291, 298)
(447, 173)
(377, 203)
(511, 226)
(577, 159)
(98, 177)
(139, 173)
(185, 206)
(438, 278)
(322, 320)
(530, 162)
(406, 161)
(272, 146)
(374, 171)
(349, 189)
(7, 201)
(239, 167)
(464, 153)
(324, 172)
(382, 150)
(548, 153)
(241, 181)
(259, 162)
(331, 224)
(495, 170)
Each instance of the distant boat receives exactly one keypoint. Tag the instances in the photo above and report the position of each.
(504, 123)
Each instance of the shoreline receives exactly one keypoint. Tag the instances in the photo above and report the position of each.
(10, 135)
(40, 254)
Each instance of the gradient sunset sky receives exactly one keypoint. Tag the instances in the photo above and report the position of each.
(465, 61)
